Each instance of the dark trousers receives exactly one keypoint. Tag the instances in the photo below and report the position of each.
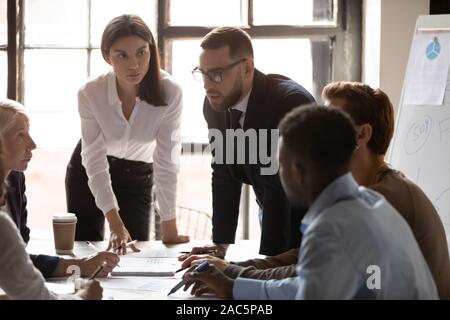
(131, 182)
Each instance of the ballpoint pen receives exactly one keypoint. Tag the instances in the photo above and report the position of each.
(181, 269)
(96, 272)
(127, 245)
(208, 251)
(201, 267)
(90, 245)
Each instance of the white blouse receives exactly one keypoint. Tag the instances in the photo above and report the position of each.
(18, 276)
(150, 135)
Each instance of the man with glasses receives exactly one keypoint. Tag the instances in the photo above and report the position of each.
(241, 98)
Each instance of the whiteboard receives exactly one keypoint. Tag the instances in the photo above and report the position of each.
(421, 144)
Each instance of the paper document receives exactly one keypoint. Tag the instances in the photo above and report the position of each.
(61, 287)
(155, 253)
(147, 284)
(427, 69)
(146, 267)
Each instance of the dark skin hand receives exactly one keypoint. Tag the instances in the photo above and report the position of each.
(197, 259)
(212, 281)
(212, 249)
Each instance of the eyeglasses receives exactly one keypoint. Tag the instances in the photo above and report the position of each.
(215, 75)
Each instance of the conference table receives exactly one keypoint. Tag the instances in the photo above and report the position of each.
(140, 288)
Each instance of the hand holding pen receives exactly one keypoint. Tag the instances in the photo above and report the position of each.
(96, 272)
(194, 260)
(216, 250)
(202, 267)
(92, 262)
(210, 281)
(119, 235)
(119, 244)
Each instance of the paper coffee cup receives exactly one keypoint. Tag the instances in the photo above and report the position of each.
(64, 225)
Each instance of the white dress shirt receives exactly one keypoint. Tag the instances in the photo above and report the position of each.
(346, 230)
(150, 135)
(18, 276)
(242, 106)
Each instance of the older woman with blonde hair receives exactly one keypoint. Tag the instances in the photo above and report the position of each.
(18, 277)
(18, 146)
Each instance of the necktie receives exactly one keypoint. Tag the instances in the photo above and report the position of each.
(233, 117)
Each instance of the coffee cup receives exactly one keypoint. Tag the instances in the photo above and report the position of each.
(64, 225)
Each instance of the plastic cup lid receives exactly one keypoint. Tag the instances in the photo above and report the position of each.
(64, 217)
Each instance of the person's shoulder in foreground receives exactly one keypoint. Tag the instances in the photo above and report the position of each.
(426, 225)
(370, 247)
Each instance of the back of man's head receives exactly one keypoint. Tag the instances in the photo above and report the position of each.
(319, 138)
(236, 39)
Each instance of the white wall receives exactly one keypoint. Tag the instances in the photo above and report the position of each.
(388, 27)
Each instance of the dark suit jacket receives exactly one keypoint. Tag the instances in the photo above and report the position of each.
(17, 202)
(271, 98)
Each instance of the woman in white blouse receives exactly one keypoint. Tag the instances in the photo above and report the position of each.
(130, 118)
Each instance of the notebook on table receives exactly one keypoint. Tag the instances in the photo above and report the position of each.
(145, 267)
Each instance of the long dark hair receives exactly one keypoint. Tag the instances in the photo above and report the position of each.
(150, 88)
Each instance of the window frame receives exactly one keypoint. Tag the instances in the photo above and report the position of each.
(345, 36)
(12, 8)
(346, 40)
(346, 51)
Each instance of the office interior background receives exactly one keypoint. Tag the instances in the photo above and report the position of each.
(49, 48)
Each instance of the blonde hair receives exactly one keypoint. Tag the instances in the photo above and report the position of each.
(9, 111)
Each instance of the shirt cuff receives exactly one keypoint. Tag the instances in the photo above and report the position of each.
(248, 289)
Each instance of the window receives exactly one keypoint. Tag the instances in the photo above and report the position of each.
(205, 12)
(3, 47)
(293, 12)
(61, 42)
(311, 41)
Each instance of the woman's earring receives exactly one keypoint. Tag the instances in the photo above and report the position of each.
(357, 147)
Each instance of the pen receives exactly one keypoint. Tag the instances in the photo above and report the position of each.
(131, 243)
(90, 245)
(127, 245)
(181, 269)
(201, 267)
(204, 252)
(99, 269)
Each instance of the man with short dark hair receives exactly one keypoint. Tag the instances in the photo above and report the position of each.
(355, 244)
(242, 100)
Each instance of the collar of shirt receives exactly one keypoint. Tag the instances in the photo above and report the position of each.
(113, 95)
(242, 105)
(344, 187)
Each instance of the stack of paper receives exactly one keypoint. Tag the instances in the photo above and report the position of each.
(146, 267)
